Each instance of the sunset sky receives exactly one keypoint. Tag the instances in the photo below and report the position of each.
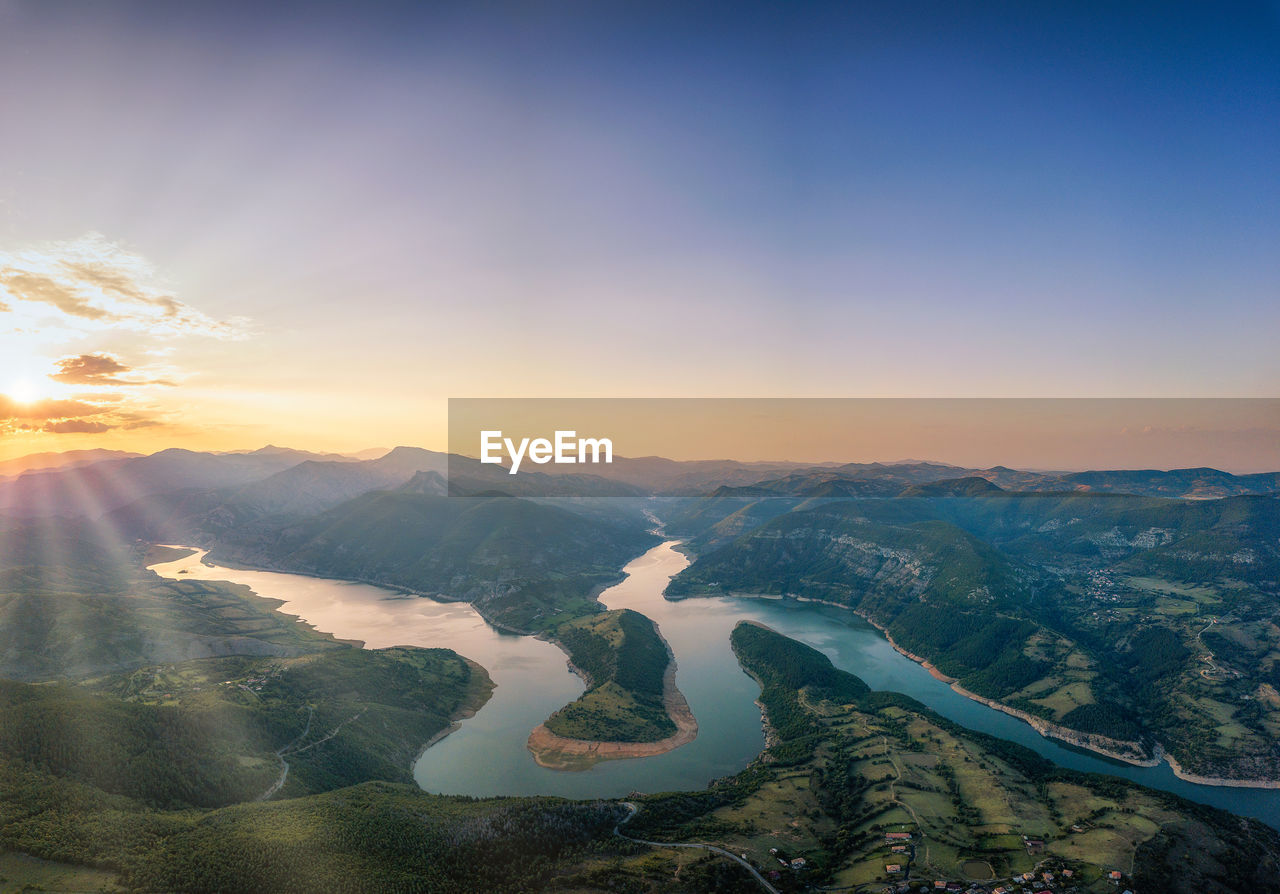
(247, 223)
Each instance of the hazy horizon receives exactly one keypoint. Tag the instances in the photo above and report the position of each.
(766, 461)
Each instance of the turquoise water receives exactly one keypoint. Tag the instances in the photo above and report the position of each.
(487, 754)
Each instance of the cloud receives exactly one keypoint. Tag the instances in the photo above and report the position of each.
(94, 281)
(71, 416)
(93, 369)
(76, 426)
(41, 289)
(137, 421)
(47, 409)
(62, 417)
(98, 369)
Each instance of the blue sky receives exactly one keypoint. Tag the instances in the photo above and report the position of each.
(365, 210)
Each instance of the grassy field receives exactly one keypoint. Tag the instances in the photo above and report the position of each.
(849, 766)
(846, 766)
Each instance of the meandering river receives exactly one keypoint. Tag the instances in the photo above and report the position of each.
(487, 754)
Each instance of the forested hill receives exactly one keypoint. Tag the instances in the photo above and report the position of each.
(1135, 619)
(523, 564)
(207, 733)
(860, 764)
(624, 661)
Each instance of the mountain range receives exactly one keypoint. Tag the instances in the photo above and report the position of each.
(283, 481)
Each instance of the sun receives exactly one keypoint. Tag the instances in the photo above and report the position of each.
(24, 391)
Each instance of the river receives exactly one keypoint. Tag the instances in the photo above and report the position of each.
(487, 754)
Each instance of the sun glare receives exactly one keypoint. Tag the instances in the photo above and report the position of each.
(24, 391)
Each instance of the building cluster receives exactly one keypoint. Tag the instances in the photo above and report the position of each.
(796, 863)
(1042, 881)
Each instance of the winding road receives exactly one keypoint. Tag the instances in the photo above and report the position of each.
(284, 764)
(617, 830)
(292, 748)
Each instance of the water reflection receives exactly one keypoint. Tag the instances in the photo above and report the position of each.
(487, 755)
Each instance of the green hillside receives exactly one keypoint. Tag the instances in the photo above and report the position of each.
(81, 631)
(522, 564)
(1138, 619)
(206, 733)
(846, 766)
(624, 661)
(376, 837)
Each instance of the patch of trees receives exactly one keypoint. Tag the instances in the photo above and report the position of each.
(1104, 718)
(159, 755)
(638, 663)
(1154, 653)
(980, 648)
(626, 661)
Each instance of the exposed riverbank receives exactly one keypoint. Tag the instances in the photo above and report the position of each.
(1115, 749)
(488, 755)
(1216, 780)
(1131, 753)
(557, 752)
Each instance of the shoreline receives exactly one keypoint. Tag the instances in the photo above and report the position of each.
(1112, 749)
(770, 734)
(479, 690)
(272, 601)
(556, 752)
(398, 591)
(468, 709)
(401, 591)
(1097, 744)
(1115, 749)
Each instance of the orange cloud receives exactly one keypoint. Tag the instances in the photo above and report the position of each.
(97, 369)
(62, 417)
(94, 369)
(76, 426)
(46, 409)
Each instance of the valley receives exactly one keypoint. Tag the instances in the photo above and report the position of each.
(822, 723)
(1087, 615)
(639, 448)
(1132, 627)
